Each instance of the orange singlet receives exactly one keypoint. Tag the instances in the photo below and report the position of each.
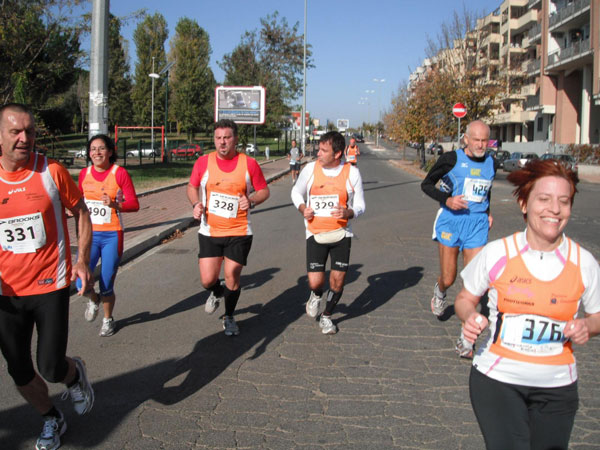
(325, 193)
(103, 217)
(533, 313)
(35, 256)
(223, 190)
(351, 154)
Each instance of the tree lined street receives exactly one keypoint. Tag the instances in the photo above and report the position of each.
(170, 378)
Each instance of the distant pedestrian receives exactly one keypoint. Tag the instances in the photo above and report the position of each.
(36, 268)
(108, 192)
(295, 157)
(328, 194)
(352, 152)
(220, 193)
(267, 152)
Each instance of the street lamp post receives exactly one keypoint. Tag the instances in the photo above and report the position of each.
(378, 80)
(153, 76)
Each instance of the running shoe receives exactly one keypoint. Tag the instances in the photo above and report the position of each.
(313, 304)
(438, 304)
(82, 394)
(327, 326)
(53, 429)
(464, 348)
(213, 302)
(230, 327)
(108, 327)
(91, 311)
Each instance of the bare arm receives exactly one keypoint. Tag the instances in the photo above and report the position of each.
(194, 197)
(473, 322)
(81, 269)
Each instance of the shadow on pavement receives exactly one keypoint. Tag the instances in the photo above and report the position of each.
(381, 287)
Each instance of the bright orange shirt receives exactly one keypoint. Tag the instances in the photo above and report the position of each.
(103, 217)
(35, 255)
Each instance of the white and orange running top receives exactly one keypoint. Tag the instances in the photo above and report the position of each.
(104, 218)
(35, 255)
(322, 189)
(531, 297)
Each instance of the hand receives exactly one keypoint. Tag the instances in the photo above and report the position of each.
(473, 326)
(106, 200)
(490, 221)
(198, 211)
(577, 330)
(244, 203)
(339, 212)
(308, 213)
(82, 271)
(457, 202)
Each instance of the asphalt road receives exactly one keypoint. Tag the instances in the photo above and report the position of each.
(171, 379)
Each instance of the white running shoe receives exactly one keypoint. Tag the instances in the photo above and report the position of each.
(53, 429)
(108, 327)
(438, 304)
(327, 326)
(313, 304)
(231, 328)
(213, 302)
(91, 311)
(82, 394)
(464, 348)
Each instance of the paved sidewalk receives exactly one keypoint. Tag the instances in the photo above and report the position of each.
(165, 210)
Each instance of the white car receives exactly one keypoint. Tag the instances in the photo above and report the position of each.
(146, 153)
(250, 149)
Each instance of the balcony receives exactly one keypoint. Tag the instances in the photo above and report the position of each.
(528, 90)
(568, 13)
(532, 103)
(535, 33)
(525, 21)
(569, 56)
(532, 67)
(533, 3)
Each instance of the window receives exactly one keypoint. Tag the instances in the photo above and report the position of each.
(540, 124)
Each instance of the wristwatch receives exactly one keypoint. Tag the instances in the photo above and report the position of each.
(252, 204)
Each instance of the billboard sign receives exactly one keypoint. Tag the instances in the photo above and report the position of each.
(343, 124)
(242, 104)
(296, 116)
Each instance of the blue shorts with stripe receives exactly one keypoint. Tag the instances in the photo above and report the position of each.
(468, 230)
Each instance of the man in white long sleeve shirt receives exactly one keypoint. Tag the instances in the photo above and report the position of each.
(328, 194)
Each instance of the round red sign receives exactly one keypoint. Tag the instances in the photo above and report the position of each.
(459, 110)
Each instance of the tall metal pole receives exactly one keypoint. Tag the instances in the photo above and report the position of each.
(98, 115)
(152, 114)
(302, 119)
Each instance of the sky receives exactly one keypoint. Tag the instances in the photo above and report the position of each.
(353, 42)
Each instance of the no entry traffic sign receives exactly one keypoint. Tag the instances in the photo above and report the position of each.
(459, 110)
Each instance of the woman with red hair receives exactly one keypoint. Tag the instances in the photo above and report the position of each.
(523, 382)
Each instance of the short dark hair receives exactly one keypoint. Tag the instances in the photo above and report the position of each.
(227, 123)
(18, 107)
(338, 143)
(108, 142)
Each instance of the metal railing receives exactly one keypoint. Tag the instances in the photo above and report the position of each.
(532, 66)
(566, 12)
(532, 102)
(566, 53)
(535, 31)
(532, 3)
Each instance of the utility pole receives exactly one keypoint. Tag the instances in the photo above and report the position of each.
(303, 118)
(98, 115)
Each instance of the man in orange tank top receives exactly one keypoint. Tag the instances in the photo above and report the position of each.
(221, 198)
(35, 263)
(328, 193)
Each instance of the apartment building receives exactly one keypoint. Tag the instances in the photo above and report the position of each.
(546, 56)
(550, 57)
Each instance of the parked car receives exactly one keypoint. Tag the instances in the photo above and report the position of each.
(517, 160)
(81, 153)
(567, 160)
(187, 151)
(146, 153)
(358, 138)
(500, 156)
(435, 148)
(251, 149)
